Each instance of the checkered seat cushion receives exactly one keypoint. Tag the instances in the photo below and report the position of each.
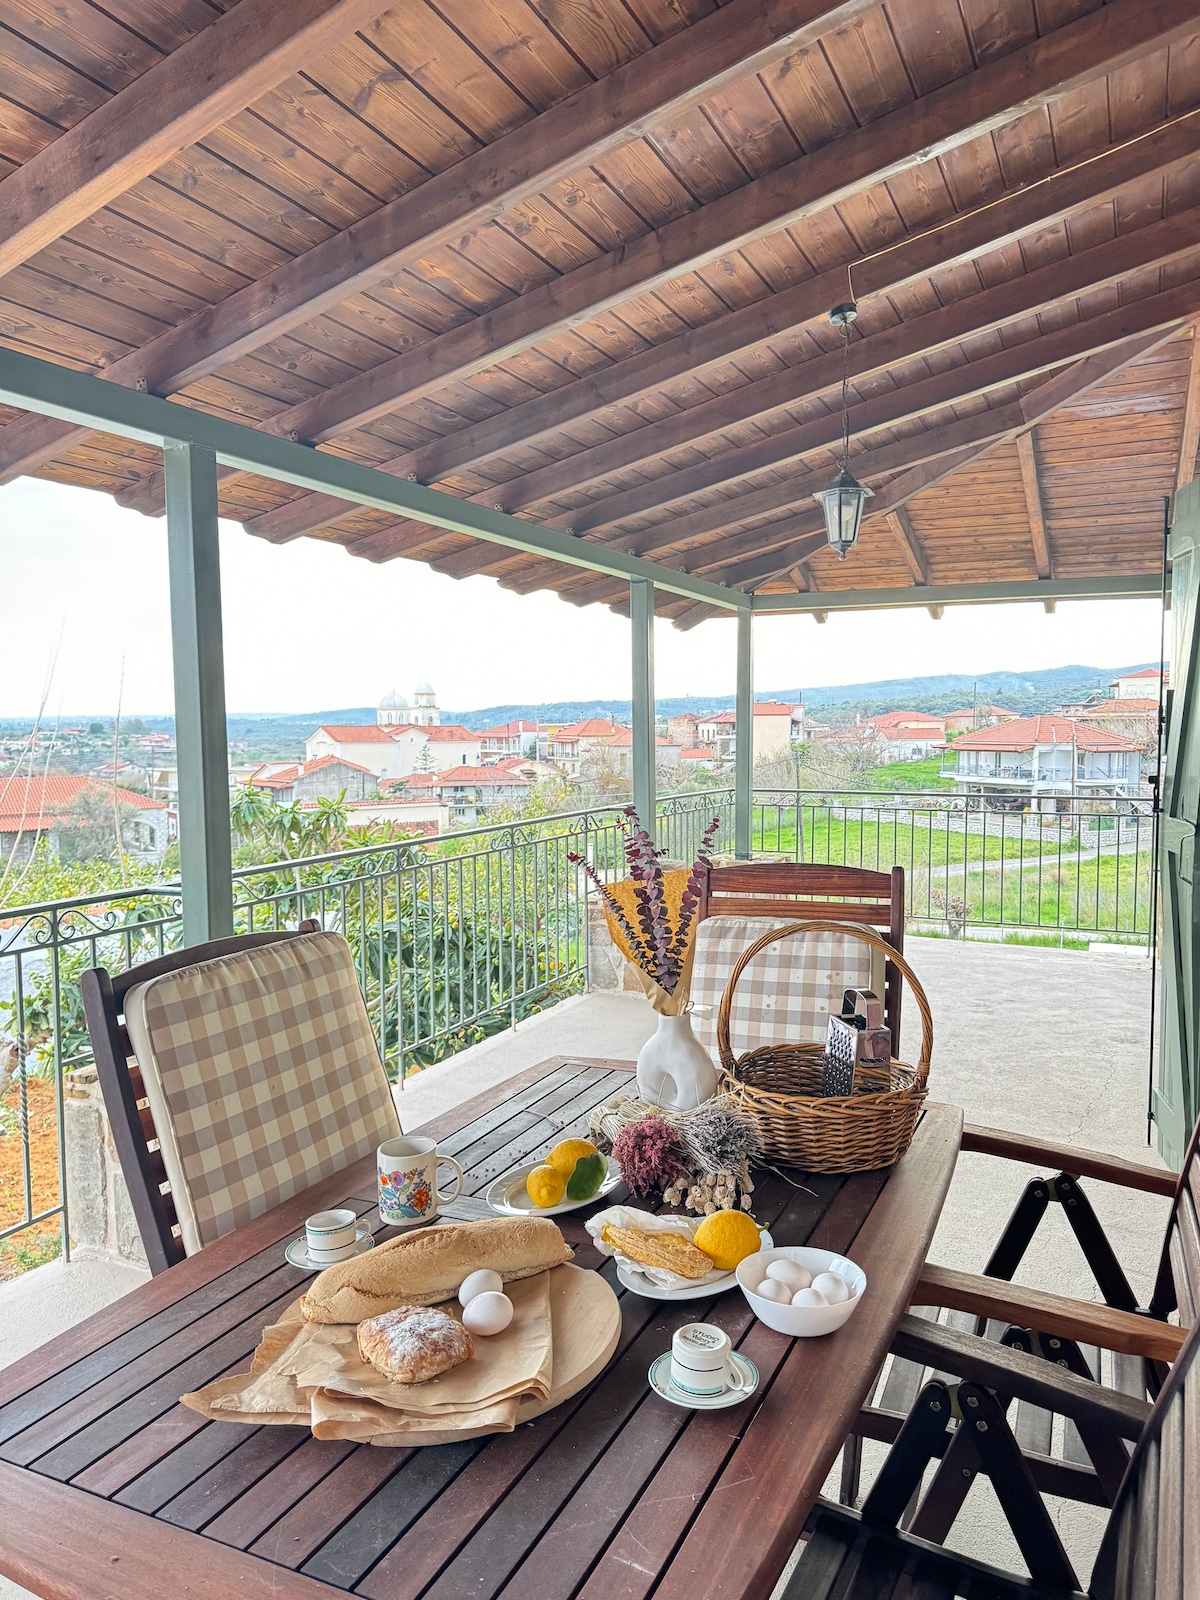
(263, 1076)
(785, 994)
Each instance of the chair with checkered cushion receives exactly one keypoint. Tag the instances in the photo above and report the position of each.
(786, 993)
(243, 1072)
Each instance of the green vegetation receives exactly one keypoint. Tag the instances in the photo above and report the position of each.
(925, 775)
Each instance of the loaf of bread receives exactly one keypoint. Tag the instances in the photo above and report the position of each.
(414, 1343)
(426, 1266)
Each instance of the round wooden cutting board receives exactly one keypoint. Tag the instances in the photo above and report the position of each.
(585, 1320)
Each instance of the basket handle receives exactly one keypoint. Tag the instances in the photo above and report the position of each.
(856, 930)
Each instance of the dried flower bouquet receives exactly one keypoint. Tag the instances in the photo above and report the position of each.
(651, 913)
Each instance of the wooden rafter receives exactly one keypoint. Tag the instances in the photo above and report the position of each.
(1189, 441)
(741, 331)
(1135, 329)
(1031, 483)
(242, 54)
(743, 37)
(910, 546)
(994, 94)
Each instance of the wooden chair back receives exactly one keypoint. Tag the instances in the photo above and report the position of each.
(802, 892)
(1151, 1546)
(124, 1093)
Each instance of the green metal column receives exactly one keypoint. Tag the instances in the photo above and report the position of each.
(641, 618)
(201, 741)
(743, 770)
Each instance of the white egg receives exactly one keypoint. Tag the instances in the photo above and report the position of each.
(833, 1286)
(485, 1281)
(487, 1313)
(795, 1275)
(809, 1297)
(772, 1289)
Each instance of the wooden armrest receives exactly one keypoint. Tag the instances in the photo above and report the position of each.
(1065, 1158)
(1082, 1320)
(1022, 1376)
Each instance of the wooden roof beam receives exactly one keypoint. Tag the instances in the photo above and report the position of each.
(234, 61)
(936, 612)
(1189, 441)
(1033, 504)
(996, 93)
(959, 239)
(910, 546)
(739, 39)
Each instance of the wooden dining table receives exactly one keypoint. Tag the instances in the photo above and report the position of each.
(109, 1487)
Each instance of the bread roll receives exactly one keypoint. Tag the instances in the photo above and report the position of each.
(423, 1267)
(414, 1343)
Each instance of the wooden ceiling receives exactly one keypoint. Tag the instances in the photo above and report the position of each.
(573, 258)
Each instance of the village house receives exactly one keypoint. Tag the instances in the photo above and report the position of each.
(570, 746)
(776, 728)
(34, 808)
(326, 778)
(977, 717)
(1047, 759)
(666, 754)
(466, 791)
(907, 735)
(519, 738)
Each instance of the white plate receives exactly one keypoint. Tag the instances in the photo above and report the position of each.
(660, 1381)
(297, 1252)
(638, 1283)
(507, 1195)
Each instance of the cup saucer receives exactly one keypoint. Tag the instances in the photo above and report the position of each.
(660, 1381)
(297, 1252)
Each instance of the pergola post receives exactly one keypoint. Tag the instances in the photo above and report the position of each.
(743, 767)
(641, 618)
(201, 740)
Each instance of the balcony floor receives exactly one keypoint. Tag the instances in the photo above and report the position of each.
(1038, 1040)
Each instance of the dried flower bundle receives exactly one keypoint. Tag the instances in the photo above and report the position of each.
(659, 949)
(700, 1159)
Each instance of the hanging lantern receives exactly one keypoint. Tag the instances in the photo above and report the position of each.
(842, 503)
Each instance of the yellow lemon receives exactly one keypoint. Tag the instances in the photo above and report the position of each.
(728, 1237)
(545, 1186)
(567, 1152)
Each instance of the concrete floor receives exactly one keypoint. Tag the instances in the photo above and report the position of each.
(1030, 1039)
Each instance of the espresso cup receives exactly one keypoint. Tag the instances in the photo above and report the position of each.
(408, 1188)
(330, 1235)
(702, 1361)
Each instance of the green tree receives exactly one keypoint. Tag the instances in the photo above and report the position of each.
(95, 827)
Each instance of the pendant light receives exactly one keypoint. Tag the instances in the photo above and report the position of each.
(843, 501)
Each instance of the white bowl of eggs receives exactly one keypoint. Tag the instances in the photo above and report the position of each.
(800, 1291)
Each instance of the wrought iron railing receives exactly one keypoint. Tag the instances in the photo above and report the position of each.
(455, 938)
(981, 863)
(460, 936)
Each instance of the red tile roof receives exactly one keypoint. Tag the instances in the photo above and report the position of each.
(907, 721)
(589, 728)
(482, 777)
(695, 754)
(450, 733)
(40, 802)
(624, 737)
(772, 708)
(1120, 708)
(983, 711)
(327, 761)
(509, 730)
(1146, 672)
(1026, 732)
(364, 733)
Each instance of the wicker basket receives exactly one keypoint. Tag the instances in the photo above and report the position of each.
(779, 1085)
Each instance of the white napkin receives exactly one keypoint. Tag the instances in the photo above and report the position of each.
(630, 1217)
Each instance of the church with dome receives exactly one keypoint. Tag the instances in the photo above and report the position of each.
(394, 710)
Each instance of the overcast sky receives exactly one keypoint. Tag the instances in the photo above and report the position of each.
(83, 600)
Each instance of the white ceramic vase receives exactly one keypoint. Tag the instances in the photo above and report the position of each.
(673, 1068)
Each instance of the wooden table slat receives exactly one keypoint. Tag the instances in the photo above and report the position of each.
(189, 1460)
(231, 1475)
(277, 1491)
(319, 1512)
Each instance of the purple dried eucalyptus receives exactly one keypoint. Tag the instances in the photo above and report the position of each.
(650, 1156)
(658, 949)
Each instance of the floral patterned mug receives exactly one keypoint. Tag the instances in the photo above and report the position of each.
(408, 1190)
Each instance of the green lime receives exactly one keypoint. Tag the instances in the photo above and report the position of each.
(587, 1177)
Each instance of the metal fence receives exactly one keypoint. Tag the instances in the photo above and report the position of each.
(455, 938)
(460, 936)
(1080, 872)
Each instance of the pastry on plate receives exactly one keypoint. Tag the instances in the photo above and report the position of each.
(414, 1343)
(670, 1251)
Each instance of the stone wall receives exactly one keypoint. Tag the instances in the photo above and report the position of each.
(100, 1216)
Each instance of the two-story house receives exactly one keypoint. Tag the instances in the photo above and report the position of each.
(776, 728)
(570, 747)
(907, 735)
(519, 738)
(1048, 759)
(973, 717)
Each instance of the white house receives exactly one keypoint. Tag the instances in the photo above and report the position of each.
(519, 738)
(40, 806)
(365, 744)
(907, 735)
(1143, 685)
(569, 747)
(1047, 758)
(776, 728)
(468, 791)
